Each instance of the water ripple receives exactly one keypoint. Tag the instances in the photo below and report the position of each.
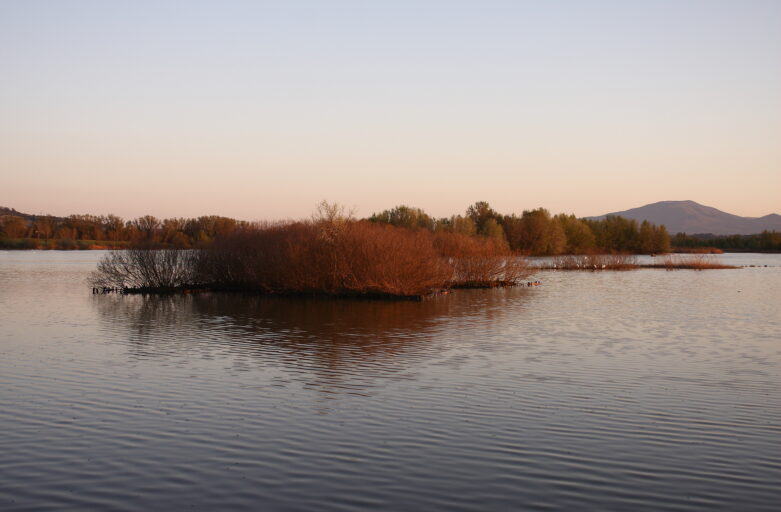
(640, 390)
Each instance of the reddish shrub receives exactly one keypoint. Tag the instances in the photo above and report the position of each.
(479, 261)
(327, 256)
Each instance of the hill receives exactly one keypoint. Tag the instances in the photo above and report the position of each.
(692, 218)
(10, 211)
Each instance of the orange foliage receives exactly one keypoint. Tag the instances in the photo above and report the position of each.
(478, 261)
(326, 256)
(356, 258)
(350, 258)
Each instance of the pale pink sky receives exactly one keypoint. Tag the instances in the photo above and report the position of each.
(259, 111)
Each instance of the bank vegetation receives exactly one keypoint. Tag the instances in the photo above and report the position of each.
(696, 261)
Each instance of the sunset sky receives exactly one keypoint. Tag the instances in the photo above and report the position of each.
(258, 110)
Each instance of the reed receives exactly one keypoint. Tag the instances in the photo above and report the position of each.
(699, 261)
(593, 262)
(479, 262)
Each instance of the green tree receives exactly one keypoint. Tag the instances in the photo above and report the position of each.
(646, 239)
(457, 224)
(480, 213)
(406, 217)
(661, 239)
(580, 239)
(513, 231)
(540, 234)
(492, 229)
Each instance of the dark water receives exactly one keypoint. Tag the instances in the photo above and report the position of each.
(642, 390)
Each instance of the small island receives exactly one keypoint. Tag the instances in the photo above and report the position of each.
(330, 255)
(400, 254)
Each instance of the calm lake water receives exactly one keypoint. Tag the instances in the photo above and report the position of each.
(641, 390)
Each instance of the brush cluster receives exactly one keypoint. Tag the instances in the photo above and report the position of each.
(331, 257)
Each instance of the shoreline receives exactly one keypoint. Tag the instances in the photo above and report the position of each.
(248, 291)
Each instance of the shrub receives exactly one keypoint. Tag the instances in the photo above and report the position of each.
(147, 269)
(479, 261)
(327, 255)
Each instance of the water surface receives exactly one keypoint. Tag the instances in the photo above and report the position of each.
(639, 390)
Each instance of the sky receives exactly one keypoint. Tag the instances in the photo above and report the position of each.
(259, 110)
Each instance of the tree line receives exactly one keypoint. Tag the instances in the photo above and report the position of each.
(86, 231)
(767, 241)
(535, 232)
(538, 233)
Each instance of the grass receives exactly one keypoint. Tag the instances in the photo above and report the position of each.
(594, 262)
(697, 261)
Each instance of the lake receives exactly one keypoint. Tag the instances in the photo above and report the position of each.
(638, 390)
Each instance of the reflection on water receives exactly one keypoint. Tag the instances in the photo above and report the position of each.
(645, 390)
(337, 340)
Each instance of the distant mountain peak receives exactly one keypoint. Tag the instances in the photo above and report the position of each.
(691, 217)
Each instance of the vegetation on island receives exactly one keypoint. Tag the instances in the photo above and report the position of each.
(332, 254)
(400, 252)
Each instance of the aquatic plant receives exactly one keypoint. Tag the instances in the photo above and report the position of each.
(699, 261)
(479, 262)
(593, 262)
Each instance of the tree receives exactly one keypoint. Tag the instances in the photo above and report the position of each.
(148, 226)
(458, 224)
(615, 233)
(331, 213)
(493, 229)
(480, 213)
(406, 217)
(43, 227)
(113, 227)
(661, 239)
(513, 231)
(646, 242)
(580, 239)
(13, 226)
(540, 234)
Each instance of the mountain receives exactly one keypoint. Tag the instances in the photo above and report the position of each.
(693, 218)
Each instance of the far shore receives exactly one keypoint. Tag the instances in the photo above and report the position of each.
(34, 244)
(63, 244)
